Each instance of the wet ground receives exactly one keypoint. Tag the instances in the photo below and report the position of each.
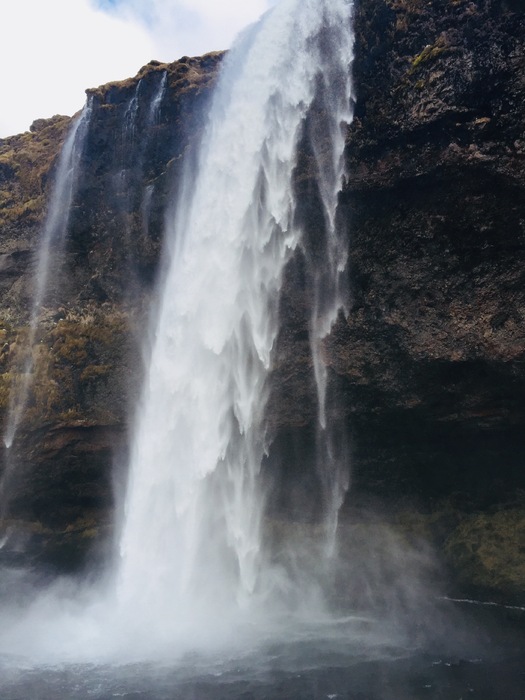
(491, 666)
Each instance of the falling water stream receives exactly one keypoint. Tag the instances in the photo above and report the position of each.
(195, 605)
(49, 257)
(200, 435)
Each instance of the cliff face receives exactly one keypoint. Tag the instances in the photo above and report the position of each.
(436, 190)
(26, 173)
(58, 476)
(426, 370)
(436, 202)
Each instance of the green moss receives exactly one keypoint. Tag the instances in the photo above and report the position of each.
(75, 366)
(68, 346)
(408, 6)
(70, 415)
(429, 53)
(29, 211)
(94, 372)
(31, 527)
(487, 550)
(5, 390)
(82, 525)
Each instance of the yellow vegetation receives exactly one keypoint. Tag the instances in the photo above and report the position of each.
(26, 160)
(488, 549)
(71, 364)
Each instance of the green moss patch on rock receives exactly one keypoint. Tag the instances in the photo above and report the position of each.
(429, 53)
(79, 368)
(487, 551)
(66, 548)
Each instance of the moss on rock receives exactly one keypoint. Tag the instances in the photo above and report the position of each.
(25, 164)
(487, 550)
(78, 365)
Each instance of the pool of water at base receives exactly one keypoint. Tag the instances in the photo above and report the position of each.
(301, 670)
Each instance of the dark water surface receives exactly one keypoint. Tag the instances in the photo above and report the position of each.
(490, 667)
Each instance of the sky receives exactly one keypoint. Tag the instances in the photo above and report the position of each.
(52, 50)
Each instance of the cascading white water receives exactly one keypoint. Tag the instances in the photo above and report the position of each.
(130, 125)
(156, 102)
(134, 126)
(191, 541)
(49, 253)
(335, 94)
(136, 131)
(192, 574)
(130, 118)
(128, 134)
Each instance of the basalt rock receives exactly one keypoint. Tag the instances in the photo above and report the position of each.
(57, 479)
(434, 340)
(426, 370)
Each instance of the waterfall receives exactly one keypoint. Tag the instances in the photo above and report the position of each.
(125, 163)
(140, 118)
(191, 539)
(202, 597)
(334, 107)
(130, 120)
(49, 257)
(156, 102)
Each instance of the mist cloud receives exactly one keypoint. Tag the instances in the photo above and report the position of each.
(52, 50)
(193, 27)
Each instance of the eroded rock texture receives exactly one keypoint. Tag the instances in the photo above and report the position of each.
(436, 212)
(427, 369)
(87, 364)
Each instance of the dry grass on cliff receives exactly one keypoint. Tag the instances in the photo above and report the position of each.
(75, 364)
(26, 161)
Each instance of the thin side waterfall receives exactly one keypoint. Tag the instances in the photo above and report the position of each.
(191, 540)
(130, 118)
(136, 131)
(125, 164)
(156, 102)
(335, 99)
(49, 257)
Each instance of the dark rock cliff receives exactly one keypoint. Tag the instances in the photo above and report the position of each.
(436, 196)
(426, 371)
(58, 476)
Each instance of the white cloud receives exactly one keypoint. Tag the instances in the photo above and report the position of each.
(52, 50)
(193, 27)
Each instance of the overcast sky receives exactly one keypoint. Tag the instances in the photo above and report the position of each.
(52, 50)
